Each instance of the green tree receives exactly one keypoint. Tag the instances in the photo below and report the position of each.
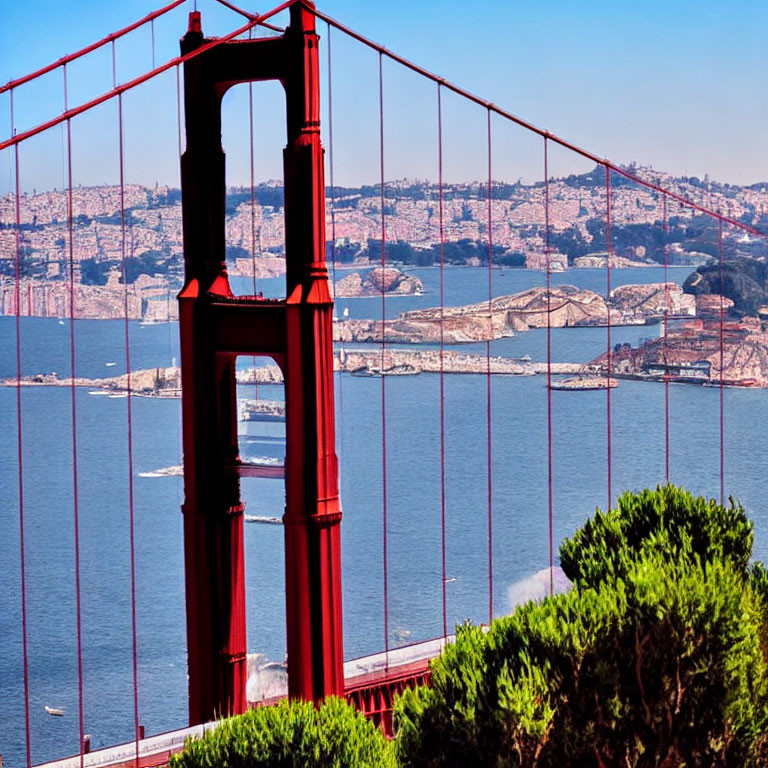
(669, 522)
(291, 734)
(655, 658)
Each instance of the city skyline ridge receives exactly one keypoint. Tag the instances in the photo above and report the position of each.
(409, 117)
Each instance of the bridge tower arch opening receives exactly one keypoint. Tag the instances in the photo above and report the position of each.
(215, 327)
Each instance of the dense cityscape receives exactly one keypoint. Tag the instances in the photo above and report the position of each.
(153, 243)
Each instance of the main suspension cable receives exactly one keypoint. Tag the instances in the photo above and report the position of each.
(68, 114)
(64, 60)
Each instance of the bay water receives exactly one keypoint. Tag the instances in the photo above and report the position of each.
(519, 500)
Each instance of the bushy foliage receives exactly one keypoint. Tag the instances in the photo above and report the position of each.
(653, 660)
(291, 735)
(668, 522)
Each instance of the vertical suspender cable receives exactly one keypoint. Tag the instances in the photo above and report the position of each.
(20, 443)
(253, 193)
(666, 337)
(340, 409)
(722, 361)
(129, 413)
(178, 132)
(330, 164)
(609, 350)
(383, 377)
(75, 500)
(253, 202)
(152, 35)
(178, 106)
(549, 366)
(442, 351)
(488, 375)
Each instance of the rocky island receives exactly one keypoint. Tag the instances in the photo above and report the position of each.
(398, 362)
(386, 280)
(565, 305)
(600, 261)
(149, 382)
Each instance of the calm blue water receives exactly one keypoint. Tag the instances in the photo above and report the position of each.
(519, 496)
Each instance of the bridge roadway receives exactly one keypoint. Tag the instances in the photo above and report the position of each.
(371, 684)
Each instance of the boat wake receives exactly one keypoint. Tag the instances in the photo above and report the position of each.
(536, 587)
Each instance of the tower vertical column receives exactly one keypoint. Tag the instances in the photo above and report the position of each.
(312, 540)
(213, 512)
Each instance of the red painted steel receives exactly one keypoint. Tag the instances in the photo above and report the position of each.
(73, 411)
(441, 213)
(64, 60)
(374, 694)
(384, 538)
(215, 327)
(609, 349)
(666, 340)
(247, 15)
(20, 443)
(550, 484)
(488, 432)
(722, 361)
(68, 114)
(129, 421)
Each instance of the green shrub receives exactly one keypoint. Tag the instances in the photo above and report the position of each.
(291, 735)
(663, 668)
(657, 657)
(669, 522)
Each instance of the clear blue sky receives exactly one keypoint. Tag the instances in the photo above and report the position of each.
(679, 85)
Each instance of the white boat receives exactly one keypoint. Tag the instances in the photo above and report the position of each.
(263, 519)
(109, 365)
(98, 392)
(54, 711)
(175, 471)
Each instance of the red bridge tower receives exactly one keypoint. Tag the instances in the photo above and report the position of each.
(296, 332)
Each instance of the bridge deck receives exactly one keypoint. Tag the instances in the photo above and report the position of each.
(371, 682)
